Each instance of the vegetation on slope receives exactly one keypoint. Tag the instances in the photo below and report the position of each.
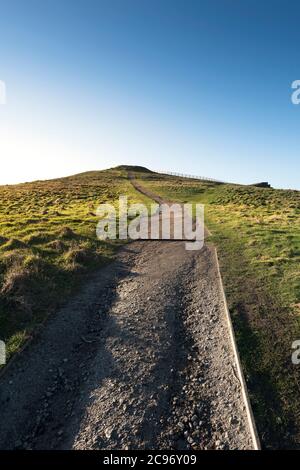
(48, 242)
(257, 232)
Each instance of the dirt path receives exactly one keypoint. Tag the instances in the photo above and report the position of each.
(141, 358)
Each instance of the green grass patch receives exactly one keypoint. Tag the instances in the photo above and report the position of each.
(48, 244)
(257, 232)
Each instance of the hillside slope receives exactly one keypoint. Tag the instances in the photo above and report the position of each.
(48, 246)
(48, 243)
(257, 232)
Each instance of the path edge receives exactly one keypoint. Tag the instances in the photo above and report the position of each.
(245, 393)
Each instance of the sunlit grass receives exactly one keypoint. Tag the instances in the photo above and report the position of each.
(48, 243)
(257, 232)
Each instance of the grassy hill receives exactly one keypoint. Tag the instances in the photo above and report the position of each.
(48, 246)
(48, 243)
(257, 232)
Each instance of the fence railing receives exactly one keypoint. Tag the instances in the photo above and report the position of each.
(183, 175)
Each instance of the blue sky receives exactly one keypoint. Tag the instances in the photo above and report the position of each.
(201, 87)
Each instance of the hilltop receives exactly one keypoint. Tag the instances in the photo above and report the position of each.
(135, 168)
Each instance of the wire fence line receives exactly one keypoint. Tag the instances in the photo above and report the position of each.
(194, 177)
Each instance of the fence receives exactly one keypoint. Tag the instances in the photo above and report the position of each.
(194, 177)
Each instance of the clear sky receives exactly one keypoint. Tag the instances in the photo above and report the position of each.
(202, 87)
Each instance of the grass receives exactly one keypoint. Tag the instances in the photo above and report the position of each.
(257, 232)
(48, 244)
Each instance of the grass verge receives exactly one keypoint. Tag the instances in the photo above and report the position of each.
(257, 232)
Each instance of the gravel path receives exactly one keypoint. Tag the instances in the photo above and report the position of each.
(141, 358)
(168, 378)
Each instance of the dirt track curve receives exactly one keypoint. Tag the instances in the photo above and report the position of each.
(139, 359)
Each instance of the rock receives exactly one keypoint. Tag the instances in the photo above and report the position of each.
(108, 433)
